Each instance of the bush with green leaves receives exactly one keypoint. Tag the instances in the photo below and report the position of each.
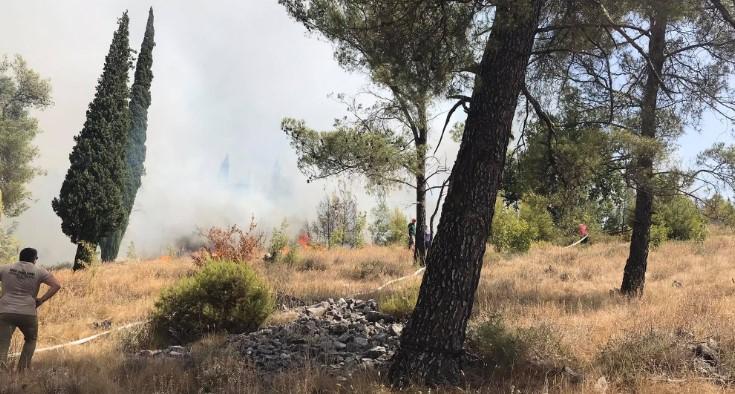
(279, 241)
(388, 226)
(223, 297)
(659, 235)
(506, 348)
(510, 233)
(682, 219)
(720, 211)
(534, 212)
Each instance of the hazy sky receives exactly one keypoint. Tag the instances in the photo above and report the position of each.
(225, 73)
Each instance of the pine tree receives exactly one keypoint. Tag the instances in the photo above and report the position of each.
(409, 48)
(91, 202)
(140, 100)
(433, 340)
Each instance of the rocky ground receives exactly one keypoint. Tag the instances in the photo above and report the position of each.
(339, 335)
(345, 335)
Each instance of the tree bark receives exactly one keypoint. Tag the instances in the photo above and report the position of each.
(419, 254)
(432, 342)
(634, 276)
(84, 255)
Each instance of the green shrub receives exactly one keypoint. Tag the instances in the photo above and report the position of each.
(388, 226)
(291, 258)
(719, 211)
(510, 233)
(643, 353)
(399, 303)
(493, 342)
(222, 297)
(279, 241)
(398, 225)
(506, 349)
(659, 235)
(683, 220)
(533, 211)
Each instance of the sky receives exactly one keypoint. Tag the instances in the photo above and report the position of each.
(225, 73)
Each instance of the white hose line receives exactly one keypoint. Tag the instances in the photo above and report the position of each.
(130, 325)
(578, 242)
(87, 339)
(390, 282)
(420, 270)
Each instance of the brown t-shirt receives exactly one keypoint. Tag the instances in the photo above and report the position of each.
(20, 283)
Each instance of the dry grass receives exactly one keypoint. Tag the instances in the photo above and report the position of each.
(320, 274)
(119, 293)
(564, 294)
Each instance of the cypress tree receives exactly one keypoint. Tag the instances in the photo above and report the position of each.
(140, 100)
(90, 203)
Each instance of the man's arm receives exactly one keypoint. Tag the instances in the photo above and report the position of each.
(54, 286)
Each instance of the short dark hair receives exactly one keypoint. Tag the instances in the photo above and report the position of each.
(29, 255)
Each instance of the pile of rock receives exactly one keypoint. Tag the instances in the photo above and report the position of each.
(341, 335)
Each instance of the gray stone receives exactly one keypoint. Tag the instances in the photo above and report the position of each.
(342, 335)
(379, 337)
(316, 311)
(338, 329)
(375, 316)
(375, 352)
(396, 329)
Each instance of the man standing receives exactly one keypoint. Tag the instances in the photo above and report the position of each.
(21, 282)
(584, 233)
(428, 237)
(411, 234)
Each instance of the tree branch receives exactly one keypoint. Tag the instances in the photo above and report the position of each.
(462, 100)
(723, 12)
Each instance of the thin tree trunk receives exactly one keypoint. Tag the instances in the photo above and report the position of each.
(634, 276)
(432, 342)
(419, 255)
(84, 255)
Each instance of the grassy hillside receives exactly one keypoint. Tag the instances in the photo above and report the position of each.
(552, 308)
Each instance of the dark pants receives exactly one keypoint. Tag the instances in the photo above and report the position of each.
(28, 325)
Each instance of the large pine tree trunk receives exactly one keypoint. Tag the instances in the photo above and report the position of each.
(432, 342)
(634, 276)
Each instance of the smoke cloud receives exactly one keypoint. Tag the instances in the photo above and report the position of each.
(224, 76)
(226, 73)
